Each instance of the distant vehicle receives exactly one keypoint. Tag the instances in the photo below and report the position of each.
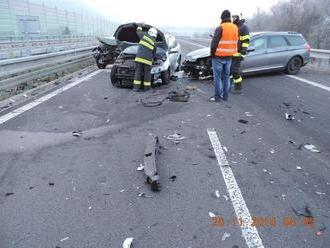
(106, 53)
(268, 52)
(124, 43)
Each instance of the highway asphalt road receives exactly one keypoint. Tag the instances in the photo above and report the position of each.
(58, 190)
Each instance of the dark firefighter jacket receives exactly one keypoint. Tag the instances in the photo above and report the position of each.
(244, 37)
(147, 48)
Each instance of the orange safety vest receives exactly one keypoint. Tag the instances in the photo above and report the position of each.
(227, 46)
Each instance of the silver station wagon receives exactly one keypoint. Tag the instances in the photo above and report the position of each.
(268, 52)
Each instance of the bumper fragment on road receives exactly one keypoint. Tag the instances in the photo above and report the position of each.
(150, 168)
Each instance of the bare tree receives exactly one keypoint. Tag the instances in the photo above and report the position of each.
(308, 17)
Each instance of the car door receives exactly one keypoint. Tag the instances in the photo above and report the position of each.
(277, 51)
(256, 60)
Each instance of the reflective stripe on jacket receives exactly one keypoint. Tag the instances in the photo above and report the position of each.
(227, 45)
(147, 50)
(244, 37)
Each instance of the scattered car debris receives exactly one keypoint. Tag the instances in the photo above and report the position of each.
(283, 196)
(212, 215)
(287, 104)
(123, 190)
(225, 149)
(225, 236)
(172, 178)
(226, 197)
(190, 87)
(289, 117)
(51, 184)
(253, 162)
(320, 193)
(305, 112)
(9, 194)
(299, 168)
(248, 114)
(140, 168)
(128, 242)
(311, 148)
(143, 194)
(77, 133)
(272, 151)
(243, 121)
(321, 231)
(64, 239)
(216, 194)
(150, 168)
(60, 107)
(306, 212)
(175, 138)
(179, 96)
(90, 208)
(243, 132)
(107, 121)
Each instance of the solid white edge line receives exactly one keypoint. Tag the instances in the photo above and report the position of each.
(249, 232)
(310, 82)
(42, 99)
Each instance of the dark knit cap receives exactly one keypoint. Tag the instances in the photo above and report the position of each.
(225, 15)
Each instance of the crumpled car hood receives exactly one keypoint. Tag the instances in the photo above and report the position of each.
(197, 54)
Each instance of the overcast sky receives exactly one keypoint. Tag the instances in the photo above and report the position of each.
(204, 13)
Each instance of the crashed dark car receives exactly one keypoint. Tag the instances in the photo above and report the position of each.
(167, 61)
(268, 52)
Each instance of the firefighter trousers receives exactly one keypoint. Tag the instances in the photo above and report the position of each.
(236, 73)
(142, 77)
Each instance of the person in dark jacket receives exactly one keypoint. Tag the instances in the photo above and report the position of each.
(144, 58)
(223, 47)
(243, 44)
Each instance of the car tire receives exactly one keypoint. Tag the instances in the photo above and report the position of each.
(294, 65)
(100, 62)
(166, 76)
(115, 81)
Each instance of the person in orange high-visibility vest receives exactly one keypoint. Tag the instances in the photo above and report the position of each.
(223, 47)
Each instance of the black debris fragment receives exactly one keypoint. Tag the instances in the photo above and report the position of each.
(305, 112)
(77, 133)
(172, 178)
(287, 104)
(243, 132)
(51, 184)
(243, 121)
(306, 212)
(253, 162)
(9, 194)
(31, 187)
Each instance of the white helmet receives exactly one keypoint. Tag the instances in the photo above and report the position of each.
(153, 32)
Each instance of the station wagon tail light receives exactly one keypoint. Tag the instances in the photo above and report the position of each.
(308, 47)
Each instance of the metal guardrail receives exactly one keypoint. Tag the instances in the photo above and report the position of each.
(320, 54)
(14, 72)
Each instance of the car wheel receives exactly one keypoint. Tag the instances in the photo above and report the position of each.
(115, 81)
(294, 65)
(100, 62)
(166, 77)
